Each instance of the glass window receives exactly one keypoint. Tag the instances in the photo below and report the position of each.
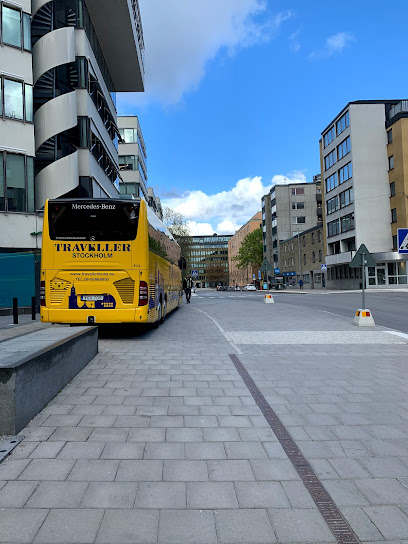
(394, 215)
(389, 136)
(2, 203)
(320, 255)
(395, 242)
(13, 99)
(319, 235)
(15, 182)
(392, 188)
(11, 26)
(27, 31)
(391, 162)
(30, 184)
(28, 103)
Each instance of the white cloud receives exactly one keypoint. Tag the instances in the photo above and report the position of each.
(334, 44)
(182, 36)
(226, 211)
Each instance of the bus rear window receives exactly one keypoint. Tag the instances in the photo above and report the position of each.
(92, 220)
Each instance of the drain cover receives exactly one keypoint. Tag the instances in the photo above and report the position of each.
(7, 445)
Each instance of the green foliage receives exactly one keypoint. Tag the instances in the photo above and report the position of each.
(177, 225)
(251, 251)
(157, 247)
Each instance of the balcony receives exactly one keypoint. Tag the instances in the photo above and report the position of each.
(119, 30)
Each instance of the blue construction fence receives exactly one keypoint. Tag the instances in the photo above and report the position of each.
(19, 273)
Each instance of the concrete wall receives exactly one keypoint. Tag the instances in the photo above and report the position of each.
(370, 176)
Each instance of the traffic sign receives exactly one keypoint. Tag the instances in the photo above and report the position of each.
(402, 240)
(194, 272)
(266, 265)
(259, 274)
(357, 260)
(277, 270)
(323, 267)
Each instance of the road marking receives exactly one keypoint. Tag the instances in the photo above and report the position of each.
(396, 333)
(315, 337)
(227, 338)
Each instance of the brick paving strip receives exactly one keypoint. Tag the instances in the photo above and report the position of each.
(324, 502)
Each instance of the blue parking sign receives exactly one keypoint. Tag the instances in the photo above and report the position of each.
(402, 240)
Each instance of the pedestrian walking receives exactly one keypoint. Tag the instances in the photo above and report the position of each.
(187, 286)
(301, 285)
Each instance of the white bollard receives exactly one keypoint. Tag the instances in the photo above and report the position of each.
(363, 318)
(268, 299)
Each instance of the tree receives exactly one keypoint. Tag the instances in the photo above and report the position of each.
(177, 225)
(251, 251)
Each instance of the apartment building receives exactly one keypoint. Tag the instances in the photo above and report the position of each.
(301, 259)
(61, 64)
(207, 260)
(287, 210)
(364, 154)
(242, 276)
(132, 158)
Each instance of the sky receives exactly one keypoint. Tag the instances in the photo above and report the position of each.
(237, 93)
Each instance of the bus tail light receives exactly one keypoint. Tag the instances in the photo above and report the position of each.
(42, 293)
(143, 294)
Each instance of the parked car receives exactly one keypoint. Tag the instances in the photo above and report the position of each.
(230, 288)
(249, 287)
(237, 288)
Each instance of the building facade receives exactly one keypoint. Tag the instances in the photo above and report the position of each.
(364, 153)
(61, 64)
(301, 259)
(243, 276)
(287, 210)
(207, 260)
(132, 158)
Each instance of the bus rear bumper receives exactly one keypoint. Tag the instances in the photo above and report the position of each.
(94, 317)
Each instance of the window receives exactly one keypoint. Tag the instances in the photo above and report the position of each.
(304, 258)
(333, 228)
(16, 100)
(345, 173)
(298, 191)
(298, 205)
(346, 197)
(343, 148)
(298, 220)
(129, 135)
(331, 182)
(128, 162)
(313, 238)
(330, 160)
(304, 241)
(292, 261)
(391, 162)
(11, 26)
(392, 188)
(319, 235)
(320, 255)
(394, 215)
(313, 257)
(347, 222)
(342, 123)
(329, 136)
(332, 205)
(389, 136)
(17, 187)
(394, 244)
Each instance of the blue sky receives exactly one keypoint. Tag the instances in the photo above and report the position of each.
(238, 92)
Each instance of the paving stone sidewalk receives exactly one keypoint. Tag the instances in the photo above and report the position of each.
(158, 440)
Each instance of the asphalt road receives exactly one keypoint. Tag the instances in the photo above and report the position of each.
(389, 309)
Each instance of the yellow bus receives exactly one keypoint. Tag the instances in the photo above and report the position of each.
(107, 261)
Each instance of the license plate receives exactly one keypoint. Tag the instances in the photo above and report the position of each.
(92, 297)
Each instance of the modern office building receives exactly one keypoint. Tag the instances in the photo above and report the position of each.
(364, 163)
(242, 276)
(61, 64)
(287, 210)
(207, 260)
(132, 158)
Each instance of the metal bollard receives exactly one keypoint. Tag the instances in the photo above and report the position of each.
(33, 308)
(15, 311)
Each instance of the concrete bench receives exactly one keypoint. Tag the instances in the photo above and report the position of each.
(35, 367)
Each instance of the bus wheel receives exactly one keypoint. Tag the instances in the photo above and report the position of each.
(159, 316)
(164, 312)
